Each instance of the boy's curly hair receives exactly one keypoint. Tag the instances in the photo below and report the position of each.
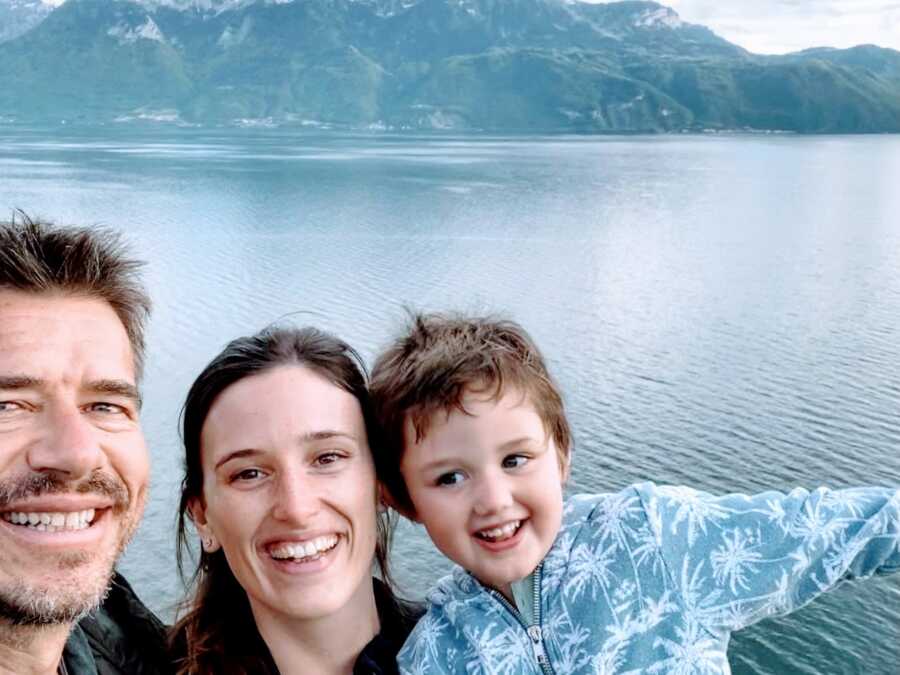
(440, 359)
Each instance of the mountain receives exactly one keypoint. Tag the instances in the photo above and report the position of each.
(499, 65)
(20, 16)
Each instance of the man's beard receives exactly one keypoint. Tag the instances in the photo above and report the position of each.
(85, 574)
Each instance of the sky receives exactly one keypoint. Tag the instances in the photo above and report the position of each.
(780, 26)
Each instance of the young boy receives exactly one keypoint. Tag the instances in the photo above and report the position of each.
(651, 579)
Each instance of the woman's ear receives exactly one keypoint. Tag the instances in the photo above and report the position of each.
(197, 511)
(386, 498)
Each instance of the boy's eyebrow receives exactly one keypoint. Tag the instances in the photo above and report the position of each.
(450, 461)
(509, 445)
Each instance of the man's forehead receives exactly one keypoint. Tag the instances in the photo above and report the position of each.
(52, 337)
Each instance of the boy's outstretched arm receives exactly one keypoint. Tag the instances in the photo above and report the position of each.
(738, 559)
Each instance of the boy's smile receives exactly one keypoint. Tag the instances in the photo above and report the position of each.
(487, 485)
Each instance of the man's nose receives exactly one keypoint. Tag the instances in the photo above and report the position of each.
(69, 447)
(297, 500)
(493, 496)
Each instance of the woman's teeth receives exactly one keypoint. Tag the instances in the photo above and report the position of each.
(306, 550)
(500, 533)
(52, 521)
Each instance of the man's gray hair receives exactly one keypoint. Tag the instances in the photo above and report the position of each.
(38, 257)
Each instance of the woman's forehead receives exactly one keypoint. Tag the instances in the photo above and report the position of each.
(287, 403)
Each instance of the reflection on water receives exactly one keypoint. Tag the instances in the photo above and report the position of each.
(722, 312)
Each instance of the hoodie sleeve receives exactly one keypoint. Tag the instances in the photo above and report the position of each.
(737, 559)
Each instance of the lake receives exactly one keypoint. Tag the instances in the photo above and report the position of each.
(721, 311)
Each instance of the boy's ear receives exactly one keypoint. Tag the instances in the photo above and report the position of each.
(385, 497)
(565, 467)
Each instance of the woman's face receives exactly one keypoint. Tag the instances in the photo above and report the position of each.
(289, 491)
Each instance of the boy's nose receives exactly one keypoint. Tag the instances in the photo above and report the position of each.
(493, 496)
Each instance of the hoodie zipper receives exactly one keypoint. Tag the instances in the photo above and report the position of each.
(535, 634)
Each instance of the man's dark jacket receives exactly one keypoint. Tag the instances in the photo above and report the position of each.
(122, 637)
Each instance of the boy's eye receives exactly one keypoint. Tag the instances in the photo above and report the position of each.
(514, 461)
(450, 478)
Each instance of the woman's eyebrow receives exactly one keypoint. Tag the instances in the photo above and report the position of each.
(308, 437)
(325, 434)
(237, 454)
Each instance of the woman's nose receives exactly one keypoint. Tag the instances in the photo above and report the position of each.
(297, 499)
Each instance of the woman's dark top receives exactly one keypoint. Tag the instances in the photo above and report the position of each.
(378, 657)
(397, 619)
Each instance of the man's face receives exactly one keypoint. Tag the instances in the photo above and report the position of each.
(73, 464)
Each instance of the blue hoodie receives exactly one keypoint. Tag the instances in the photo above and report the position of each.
(654, 579)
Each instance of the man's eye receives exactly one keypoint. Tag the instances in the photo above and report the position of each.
(107, 408)
(9, 406)
(450, 478)
(514, 461)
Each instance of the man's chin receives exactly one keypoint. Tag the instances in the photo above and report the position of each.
(80, 588)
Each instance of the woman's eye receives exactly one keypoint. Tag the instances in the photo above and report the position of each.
(450, 478)
(328, 458)
(514, 461)
(247, 475)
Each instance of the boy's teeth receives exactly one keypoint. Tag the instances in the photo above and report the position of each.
(305, 549)
(504, 532)
(51, 521)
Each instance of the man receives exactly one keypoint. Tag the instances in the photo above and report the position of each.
(73, 463)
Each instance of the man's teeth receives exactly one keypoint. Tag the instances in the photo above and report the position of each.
(311, 549)
(52, 521)
(498, 533)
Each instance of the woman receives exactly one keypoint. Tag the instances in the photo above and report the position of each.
(281, 486)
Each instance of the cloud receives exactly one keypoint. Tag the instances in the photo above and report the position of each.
(778, 26)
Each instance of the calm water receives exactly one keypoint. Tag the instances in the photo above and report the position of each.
(722, 312)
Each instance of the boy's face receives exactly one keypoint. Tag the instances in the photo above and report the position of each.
(488, 487)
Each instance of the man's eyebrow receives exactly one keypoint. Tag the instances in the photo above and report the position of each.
(121, 388)
(20, 382)
(116, 388)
